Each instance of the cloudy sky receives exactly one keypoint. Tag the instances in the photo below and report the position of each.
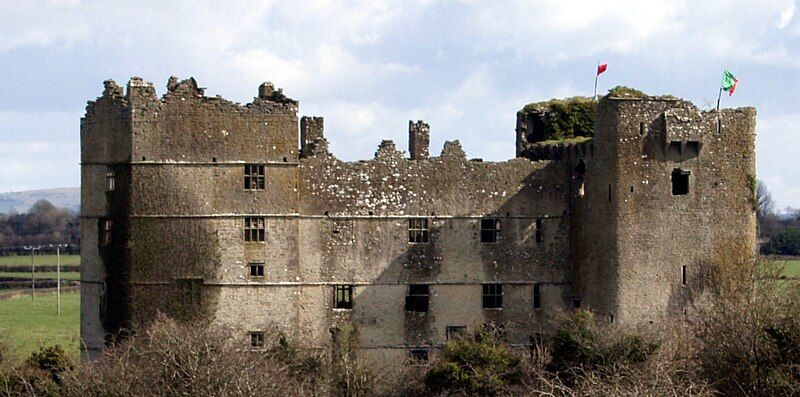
(368, 67)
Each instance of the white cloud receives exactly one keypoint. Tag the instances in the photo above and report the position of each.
(787, 14)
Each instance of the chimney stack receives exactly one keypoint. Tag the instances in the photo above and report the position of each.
(418, 140)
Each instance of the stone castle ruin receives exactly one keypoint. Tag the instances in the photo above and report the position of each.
(205, 209)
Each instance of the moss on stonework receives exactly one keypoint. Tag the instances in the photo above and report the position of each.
(621, 91)
(565, 118)
(567, 141)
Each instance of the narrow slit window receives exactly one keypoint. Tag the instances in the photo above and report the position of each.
(490, 230)
(257, 339)
(418, 298)
(254, 229)
(539, 230)
(254, 177)
(492, 296)
(680, 182)
(111, 181)
(537, 296)
(343, 297)
(108, 225)
(256, 270)
(418, 232)
(683, 275)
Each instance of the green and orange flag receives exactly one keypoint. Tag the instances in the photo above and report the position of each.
(729, 82)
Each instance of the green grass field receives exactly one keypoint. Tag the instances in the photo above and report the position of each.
(42, 275)
(39, 260)
(790, 267)
(26, 324)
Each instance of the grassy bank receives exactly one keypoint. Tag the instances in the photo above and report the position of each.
(27, 323)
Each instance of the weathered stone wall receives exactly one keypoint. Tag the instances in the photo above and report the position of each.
(611, 234)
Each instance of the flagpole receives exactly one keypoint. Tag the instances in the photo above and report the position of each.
(595, 79)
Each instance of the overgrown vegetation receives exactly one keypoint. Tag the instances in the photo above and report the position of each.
(621, 91)
(741, 337)
(565, 118)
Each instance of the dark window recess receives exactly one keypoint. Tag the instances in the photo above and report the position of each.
(418, 232)
(418, 298)
(683, 275)
(343, 297)
(455, 332)
(692, 148)
(107, 227)
(537, 296)
(254, 229)
(674, 150)
(257, 339)
(418, 354)
(490, 230)
(256, 270)
(609, 192)
(492, 296)
(539, 230)
(680, 182)
(111, 182)
(576, 303)
(254, 177)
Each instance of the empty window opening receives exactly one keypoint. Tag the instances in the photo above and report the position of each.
(492, 296)
(611, 319)
(674, 150)
(692, 148)
(285, 159)
(453, 332)
(490, 230)
(213, 159)
(642, 129)
(418, 298)
(539, 230)
(256, 270)
(418, 354)
(107, 227)
(680, 182)
(537, 296)
(418, 232)
(576, 303)
(254, 229)
(257, 339)
(683, 275)
(631, 189)
(343, 297)
(253, 177)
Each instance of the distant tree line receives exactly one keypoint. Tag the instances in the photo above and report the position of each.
(778, 235)
(43, 224)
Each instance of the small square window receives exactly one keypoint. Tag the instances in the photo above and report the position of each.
(111, 184)
(343, 297)
(256, 270)
(418, 232)
(257, 339)
(418, 354)
(418, 298)
(490, 230)
(537, 296)
(254, 177)
(492, 296)
(254, 229)
(680, 182)
(453, 332)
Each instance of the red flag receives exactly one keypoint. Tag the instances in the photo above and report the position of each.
(601, 68)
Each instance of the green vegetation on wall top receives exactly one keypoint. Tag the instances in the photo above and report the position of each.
(565, 118)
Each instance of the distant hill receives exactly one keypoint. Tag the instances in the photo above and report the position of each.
(66, 197)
